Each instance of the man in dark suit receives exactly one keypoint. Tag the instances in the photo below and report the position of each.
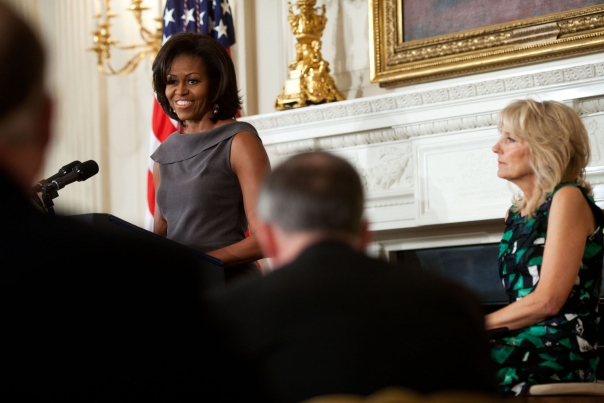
(85, 315)
(331, 319)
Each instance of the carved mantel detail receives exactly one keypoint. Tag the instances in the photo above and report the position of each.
(424, 155)
(364, 106)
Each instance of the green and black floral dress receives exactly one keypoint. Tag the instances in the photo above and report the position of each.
(561, 348)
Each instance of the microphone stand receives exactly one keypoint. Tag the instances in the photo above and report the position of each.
(78, 173)
(36, 199)
(47, 199)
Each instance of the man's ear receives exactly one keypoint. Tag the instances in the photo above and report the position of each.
(45, 122)
(43, 136)
(265, 233)
(365, 237)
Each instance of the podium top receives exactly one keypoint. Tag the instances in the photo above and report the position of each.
(118, 221)
(211, 269)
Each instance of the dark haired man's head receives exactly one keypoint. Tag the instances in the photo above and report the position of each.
(312, 197)
(218, 67)
(313, 192)
(25, 108)
(22, 62)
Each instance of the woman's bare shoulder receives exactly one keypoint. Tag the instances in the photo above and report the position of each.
(570, 207)
(247, 148)
(246, 136)
(570, 197)
(247, 142)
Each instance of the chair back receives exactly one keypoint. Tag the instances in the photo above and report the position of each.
(403, 395)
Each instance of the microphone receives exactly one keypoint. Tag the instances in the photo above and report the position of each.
(80, 173)
(62, 172)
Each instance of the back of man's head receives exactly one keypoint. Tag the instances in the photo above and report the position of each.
(25, 109)
(22, 63)
(313, 192)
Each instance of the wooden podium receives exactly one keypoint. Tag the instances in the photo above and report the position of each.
(210, 268)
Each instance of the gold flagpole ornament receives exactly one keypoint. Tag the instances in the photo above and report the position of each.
(309, 81)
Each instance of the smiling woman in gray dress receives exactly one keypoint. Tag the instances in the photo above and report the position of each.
(206, 175)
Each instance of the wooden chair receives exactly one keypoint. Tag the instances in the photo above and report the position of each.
(402, 395)
(567, 389)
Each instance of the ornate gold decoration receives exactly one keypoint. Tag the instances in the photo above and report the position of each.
(104, 42)
(309, 81)
(554, 36)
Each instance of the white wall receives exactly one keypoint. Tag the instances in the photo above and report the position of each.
(262, 52)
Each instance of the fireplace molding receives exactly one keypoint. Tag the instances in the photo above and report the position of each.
(424, 153)
(573, 75)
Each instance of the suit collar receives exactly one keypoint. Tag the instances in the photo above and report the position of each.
(325, 246)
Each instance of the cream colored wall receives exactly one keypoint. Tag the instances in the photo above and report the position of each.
(261, 54)
(107, 119)
(269, 46)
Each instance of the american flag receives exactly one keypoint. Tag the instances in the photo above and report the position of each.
(209, 17)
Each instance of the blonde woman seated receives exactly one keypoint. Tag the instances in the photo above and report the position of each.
(550, 257)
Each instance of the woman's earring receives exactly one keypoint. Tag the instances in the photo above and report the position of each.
(216, 109)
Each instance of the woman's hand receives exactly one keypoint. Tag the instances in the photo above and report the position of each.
(570, 223)
(250, 163)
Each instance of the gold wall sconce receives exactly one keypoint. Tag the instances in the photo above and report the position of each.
(104, 42)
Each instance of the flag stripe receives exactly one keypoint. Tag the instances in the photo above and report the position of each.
(150, 193)
(162, 128)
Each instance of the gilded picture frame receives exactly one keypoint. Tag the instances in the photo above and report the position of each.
(395, 63)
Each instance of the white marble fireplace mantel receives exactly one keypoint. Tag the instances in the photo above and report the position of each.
(424, 152)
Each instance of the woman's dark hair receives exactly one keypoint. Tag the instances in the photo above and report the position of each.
(219, 69)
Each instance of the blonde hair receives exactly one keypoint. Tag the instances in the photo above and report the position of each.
(558, 146)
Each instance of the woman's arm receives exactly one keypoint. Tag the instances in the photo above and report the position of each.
(570, 223)
(250, 163)
(160, 226)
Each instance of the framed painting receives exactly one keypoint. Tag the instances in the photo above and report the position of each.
(418, 41)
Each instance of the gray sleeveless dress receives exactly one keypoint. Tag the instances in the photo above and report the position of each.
(199, 194)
